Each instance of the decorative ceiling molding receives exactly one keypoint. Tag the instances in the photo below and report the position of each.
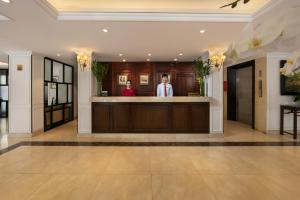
(266, 8)
(153, 16)
(51, 10)
(4, 18)
(70, 16)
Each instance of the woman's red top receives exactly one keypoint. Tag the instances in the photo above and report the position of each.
(128, 92)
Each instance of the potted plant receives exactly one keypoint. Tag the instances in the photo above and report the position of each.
(202, 69)
(99, 70)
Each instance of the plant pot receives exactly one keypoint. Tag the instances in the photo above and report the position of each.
(99, 89)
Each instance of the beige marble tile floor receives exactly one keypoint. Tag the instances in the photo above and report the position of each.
(154, 173)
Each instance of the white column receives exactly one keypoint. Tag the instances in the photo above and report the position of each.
(215, 84)
(20, 92)
(37, 93)
(84, 95)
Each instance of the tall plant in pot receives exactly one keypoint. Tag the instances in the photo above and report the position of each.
(202, 68)
(99, 70)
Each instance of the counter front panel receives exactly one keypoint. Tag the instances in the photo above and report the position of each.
(150, 117)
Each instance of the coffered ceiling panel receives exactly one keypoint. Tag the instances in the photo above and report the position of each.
(198, 6)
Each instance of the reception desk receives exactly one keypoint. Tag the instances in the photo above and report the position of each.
(150, 114)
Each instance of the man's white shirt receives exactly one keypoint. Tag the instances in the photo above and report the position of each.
(161, 90)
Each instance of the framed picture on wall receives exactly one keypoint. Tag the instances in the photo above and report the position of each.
(122, 79)
(144, 79)
(169, 78)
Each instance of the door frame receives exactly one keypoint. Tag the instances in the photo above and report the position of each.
(231, 92)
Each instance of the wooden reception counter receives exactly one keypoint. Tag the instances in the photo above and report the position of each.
(150, 114)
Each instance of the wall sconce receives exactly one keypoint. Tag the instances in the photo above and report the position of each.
(217, 60)
(83, 61)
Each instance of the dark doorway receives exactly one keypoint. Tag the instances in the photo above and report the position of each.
(241, 93)
(3, 93)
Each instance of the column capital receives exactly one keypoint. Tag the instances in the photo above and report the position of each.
(19, 53)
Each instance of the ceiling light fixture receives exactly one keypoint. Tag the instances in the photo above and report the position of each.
(175, 59)
(58, 55)
(149, 54)
(124, 60)
(148, 60)
(202, 31)
(235, 3)
(104, 30)
(6, 1)
(181, 54)
(120, 54)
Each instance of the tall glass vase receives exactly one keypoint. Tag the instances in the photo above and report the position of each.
(206, 86)
(99, 88)
(202, 86)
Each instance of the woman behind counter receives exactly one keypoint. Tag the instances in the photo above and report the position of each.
(128, 91)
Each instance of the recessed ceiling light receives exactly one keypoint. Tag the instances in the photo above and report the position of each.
(149, 54)
(120, 54)
(181, 54)
(202, 31)
(6, 1)
(104, 30)
(175, 59)
(58, 55)
(148, 59)
(124, 60)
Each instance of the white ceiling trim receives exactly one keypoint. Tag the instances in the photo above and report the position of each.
(144, 16)
(187, 17)
(44, 4)
(4, 18)
(266, 8)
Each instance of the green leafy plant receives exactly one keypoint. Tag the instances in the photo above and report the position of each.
(296, 98)
(202, 69)
(99, 70)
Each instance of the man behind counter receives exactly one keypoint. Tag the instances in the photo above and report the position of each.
(164, 89)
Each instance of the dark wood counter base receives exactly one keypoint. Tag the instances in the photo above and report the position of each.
(144, 117)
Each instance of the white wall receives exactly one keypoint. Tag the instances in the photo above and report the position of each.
(37, 93)
(20, 93)
(273, 92)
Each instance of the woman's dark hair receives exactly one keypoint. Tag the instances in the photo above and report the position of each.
(164, 75)
(129, 81)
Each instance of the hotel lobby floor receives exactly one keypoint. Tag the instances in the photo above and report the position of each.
(233, 132)
(147, 172)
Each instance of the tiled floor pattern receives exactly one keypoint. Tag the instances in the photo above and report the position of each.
(156, 173)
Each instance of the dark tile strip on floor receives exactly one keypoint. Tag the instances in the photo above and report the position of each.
(148, 144)
(159, 144)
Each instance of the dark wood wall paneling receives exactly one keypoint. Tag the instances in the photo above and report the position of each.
(182, 77)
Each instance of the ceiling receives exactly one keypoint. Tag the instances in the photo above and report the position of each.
(32, 28)
(203, 6)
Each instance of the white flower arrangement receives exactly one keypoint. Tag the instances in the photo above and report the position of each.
(292, 65)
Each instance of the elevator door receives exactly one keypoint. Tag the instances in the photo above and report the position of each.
(244, 94)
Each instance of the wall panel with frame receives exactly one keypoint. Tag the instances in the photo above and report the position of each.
(58, 93)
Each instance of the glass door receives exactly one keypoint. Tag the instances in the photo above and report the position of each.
(58, 93)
